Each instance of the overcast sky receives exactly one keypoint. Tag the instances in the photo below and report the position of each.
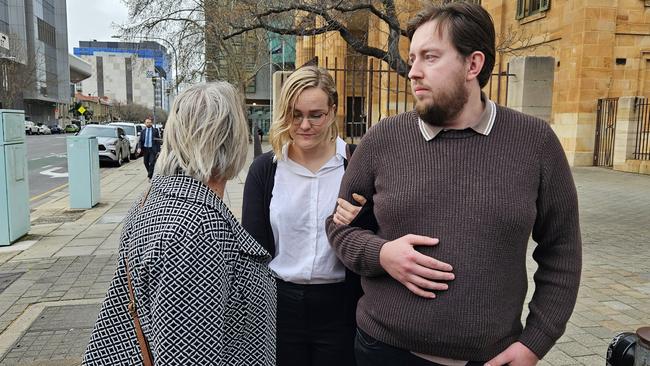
(88, 20)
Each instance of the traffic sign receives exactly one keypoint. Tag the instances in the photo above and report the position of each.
(81, 110)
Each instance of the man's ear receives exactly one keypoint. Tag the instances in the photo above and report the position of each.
(475, 63)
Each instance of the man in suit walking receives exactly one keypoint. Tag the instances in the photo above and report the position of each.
(150, 142)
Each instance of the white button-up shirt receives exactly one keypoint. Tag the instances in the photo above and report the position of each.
(301, 202)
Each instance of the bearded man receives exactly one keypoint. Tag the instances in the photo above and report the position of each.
(457, 187)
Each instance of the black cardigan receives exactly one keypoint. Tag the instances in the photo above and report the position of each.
(256, 220)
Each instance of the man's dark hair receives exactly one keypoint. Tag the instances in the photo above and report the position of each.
(470, 29)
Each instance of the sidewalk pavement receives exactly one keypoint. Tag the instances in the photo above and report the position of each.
(52, 282)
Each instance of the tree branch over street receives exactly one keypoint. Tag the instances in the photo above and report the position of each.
(233, 26)
(326, 16)
(198, 31)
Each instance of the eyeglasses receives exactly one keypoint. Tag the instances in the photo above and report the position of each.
(315, 119)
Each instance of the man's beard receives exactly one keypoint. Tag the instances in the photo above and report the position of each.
(445, 106)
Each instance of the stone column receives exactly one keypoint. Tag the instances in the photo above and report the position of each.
(625, 136)
(530, 91)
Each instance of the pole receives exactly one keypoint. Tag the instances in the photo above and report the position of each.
(153, 81)
(282, 53)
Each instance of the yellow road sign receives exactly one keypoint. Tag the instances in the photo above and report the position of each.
(81, 109)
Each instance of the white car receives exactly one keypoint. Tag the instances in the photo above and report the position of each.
(44, 130)
(132, 134)
(30, 128)
(112, 143)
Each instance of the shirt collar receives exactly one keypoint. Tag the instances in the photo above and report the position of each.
(483, 125)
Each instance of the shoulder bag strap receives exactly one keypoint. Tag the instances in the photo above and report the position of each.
(147, 359)
(349, 150)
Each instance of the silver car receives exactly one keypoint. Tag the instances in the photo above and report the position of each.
(132, 134)
(113, 143)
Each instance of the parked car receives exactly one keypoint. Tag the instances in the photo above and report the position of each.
(31, 128)
(132, 134)
(43, 129)
(112, 143)
(56, 129)
(71, 129)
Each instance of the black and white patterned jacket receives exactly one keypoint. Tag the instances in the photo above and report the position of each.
(203, 290)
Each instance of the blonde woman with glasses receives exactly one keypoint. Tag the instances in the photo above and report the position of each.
(289, 192)
(192, 287)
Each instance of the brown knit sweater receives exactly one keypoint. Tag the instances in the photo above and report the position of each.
(482, 196)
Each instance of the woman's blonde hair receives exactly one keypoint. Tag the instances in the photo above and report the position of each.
(301, 79)
(206, 134)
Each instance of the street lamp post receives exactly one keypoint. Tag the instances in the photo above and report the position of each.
(154, 82)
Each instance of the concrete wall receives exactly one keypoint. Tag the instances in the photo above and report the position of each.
(625, 139)
(530, 91)
(115, 86)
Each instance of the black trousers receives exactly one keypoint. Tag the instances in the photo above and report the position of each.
(371, 352)
(149, 159)
(312, 326)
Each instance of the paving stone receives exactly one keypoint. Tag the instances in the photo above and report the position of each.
(559, 358)
(574, 349)
(591, 360)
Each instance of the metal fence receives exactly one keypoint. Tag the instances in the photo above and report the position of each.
(369, 91)
(642, 146)
(605, 131)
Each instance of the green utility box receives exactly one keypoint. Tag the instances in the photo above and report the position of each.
(83, 171)
(14, 188)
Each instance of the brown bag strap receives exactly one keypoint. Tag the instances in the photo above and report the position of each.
(144, 198)
(147, 360)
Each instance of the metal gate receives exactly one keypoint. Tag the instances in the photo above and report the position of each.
(605, 132)
(642, 145)
(370, 91)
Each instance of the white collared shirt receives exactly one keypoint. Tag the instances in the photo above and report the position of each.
(483, 125)
(300, 203)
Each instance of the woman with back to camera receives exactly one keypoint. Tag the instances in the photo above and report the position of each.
(198, 282)
(289, 192)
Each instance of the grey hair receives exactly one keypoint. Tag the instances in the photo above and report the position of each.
(206, 134)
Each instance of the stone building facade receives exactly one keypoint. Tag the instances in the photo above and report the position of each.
(562, 57)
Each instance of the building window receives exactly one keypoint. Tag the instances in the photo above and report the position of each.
(530, 7)
(46, 33)
(4, 27)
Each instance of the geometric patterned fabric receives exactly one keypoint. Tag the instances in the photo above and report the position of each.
(204, 293)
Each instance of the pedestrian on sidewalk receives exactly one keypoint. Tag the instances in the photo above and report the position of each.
(150, 141)
(199, 283)
(288, 193)
(457, 187)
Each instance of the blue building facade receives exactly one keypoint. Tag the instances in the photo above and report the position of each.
(145, 49)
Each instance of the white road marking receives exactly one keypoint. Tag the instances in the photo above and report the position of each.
(52, 174)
